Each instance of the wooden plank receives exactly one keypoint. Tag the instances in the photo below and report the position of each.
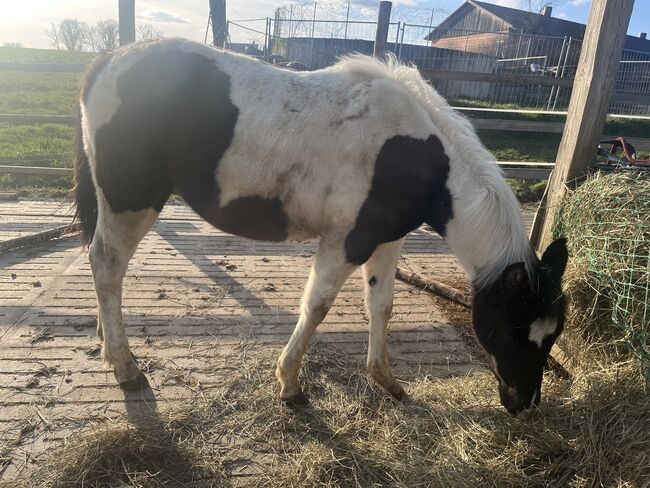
(639, 143)
(526, 80)
(518, 125)
(35, 170)
(541, 112)
(527, 173)
(595, 78)
(20, 119)
(43, 67)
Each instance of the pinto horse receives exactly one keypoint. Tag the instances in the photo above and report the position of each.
(357, 155)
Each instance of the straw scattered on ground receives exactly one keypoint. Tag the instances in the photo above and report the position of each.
(450, 432)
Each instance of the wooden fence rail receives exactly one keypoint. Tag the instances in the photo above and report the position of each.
(518, 79)
(484, 124)
(512, 169)
(34, 170)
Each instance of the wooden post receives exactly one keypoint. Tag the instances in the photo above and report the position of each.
(594, 82)
(383, 23)
(127, 21)
(218, 17)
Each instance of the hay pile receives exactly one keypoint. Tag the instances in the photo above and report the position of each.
(607, 222)
(450, 432)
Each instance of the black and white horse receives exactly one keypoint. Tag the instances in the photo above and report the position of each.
(357, 155)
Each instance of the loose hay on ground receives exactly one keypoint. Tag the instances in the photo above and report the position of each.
(450, 432)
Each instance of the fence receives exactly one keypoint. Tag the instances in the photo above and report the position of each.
(494, 68)
(42, 164)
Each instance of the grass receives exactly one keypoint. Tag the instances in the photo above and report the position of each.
(38, 93)
(28, 55)
(450, 432)
(36, 145)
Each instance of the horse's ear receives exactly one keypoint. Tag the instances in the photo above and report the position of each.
(556, 256)
(513, 279)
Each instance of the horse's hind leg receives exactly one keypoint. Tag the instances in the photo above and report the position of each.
(328, 273)
(379, 276)
(116, 239)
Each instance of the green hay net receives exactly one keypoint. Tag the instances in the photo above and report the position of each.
(607, 222)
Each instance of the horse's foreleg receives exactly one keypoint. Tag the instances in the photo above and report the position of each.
(116, 239)
(379, 276)
(328, 273)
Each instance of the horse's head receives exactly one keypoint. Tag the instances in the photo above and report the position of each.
(517, 320)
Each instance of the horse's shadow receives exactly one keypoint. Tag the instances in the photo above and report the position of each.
(157, 446)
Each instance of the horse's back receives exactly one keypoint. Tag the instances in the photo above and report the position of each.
(257, 151)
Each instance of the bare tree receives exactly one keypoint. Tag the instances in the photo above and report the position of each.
(53, 33)
(72, 34)
(105, 35)
(12, 44)
(147, 32)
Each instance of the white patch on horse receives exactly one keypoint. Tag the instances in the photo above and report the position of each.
(541, 329)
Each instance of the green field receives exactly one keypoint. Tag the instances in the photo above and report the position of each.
(56, 93)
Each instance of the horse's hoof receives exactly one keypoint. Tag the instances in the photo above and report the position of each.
(399, 395)
(297, 400)
(139, 383)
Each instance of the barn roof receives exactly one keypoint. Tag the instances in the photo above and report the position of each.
(531, 23)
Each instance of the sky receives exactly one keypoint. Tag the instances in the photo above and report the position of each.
(25, 21)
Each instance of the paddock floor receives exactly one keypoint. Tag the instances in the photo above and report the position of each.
(194, 297)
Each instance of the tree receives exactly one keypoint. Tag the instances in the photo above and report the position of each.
(105, 35)
(53, 33)
(12, 44)
(71, 34)
(147, 32)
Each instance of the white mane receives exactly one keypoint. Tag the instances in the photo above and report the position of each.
(487, 231)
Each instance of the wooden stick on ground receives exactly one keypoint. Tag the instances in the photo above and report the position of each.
(434, 287)
(37, 238)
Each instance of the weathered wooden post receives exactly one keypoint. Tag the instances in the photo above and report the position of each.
(127, 21)
(383, 23)
(594, 82)
(218, 18)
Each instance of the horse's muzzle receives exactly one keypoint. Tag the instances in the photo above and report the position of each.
(516, 403)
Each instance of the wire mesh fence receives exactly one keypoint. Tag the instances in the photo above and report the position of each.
(314, 36)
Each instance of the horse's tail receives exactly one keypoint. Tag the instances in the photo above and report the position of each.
(83, 191)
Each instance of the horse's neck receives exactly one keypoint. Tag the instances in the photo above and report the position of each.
(487, 232)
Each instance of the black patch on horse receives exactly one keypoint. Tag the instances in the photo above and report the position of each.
(252, 217)
(174, 124)
(409, 187)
